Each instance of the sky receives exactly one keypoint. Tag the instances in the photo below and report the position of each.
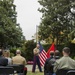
(28, 16)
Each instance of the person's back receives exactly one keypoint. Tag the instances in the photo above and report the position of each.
(6, 54)
(3, 61)
(65, 62)
(18, 59)
(57, 54)
(49, 64)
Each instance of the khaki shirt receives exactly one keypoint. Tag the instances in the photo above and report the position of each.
(18, 59)
(36, 51)
(64, 63)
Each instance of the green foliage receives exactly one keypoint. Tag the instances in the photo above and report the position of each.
(72, 47)
(13, 50)
(46, 46)
(29, 46)
(11, 55)
(56, 18)
(10, 31)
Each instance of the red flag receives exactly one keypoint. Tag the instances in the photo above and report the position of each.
(52, 48)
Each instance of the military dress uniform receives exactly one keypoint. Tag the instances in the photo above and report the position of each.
(18, 59)
(36, 60)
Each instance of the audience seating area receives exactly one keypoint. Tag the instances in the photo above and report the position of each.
(13, 69)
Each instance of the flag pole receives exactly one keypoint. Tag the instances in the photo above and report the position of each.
(36, 34)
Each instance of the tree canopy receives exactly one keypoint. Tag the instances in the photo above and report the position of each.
(58, 21)
(10, 31)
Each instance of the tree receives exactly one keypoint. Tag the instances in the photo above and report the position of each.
(57, 18)
(29, 46)
(10, 31)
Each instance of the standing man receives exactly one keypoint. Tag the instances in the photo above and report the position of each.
(36, 59)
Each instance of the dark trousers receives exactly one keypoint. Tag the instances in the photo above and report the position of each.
(36, 61)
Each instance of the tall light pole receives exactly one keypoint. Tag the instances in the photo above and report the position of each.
(36, 34)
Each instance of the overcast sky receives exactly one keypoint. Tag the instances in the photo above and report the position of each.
(28, 16)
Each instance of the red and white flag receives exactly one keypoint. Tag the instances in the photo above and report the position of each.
(42, 55)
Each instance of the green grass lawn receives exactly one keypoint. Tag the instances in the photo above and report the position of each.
(36, 73)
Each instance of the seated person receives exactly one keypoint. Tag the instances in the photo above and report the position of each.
(49, 64)
(57, 54)
(18, 59)
(3, 60)
(65, 62)
(6, 54)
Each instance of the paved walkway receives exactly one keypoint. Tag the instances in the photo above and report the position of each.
(29, 68)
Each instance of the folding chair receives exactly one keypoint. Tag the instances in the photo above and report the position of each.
(17, 68)
(62, 72)
(71, 72)
(6, 70)
(23, 69)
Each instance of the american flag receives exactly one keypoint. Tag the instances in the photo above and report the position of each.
(42, 55)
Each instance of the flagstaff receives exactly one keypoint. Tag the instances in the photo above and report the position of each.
(36, 33)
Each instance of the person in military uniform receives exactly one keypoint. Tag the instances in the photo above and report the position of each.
(65, 62)
(36, 59)
(18, 59)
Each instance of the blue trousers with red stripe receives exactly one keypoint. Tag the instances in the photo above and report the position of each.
(36, 61)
